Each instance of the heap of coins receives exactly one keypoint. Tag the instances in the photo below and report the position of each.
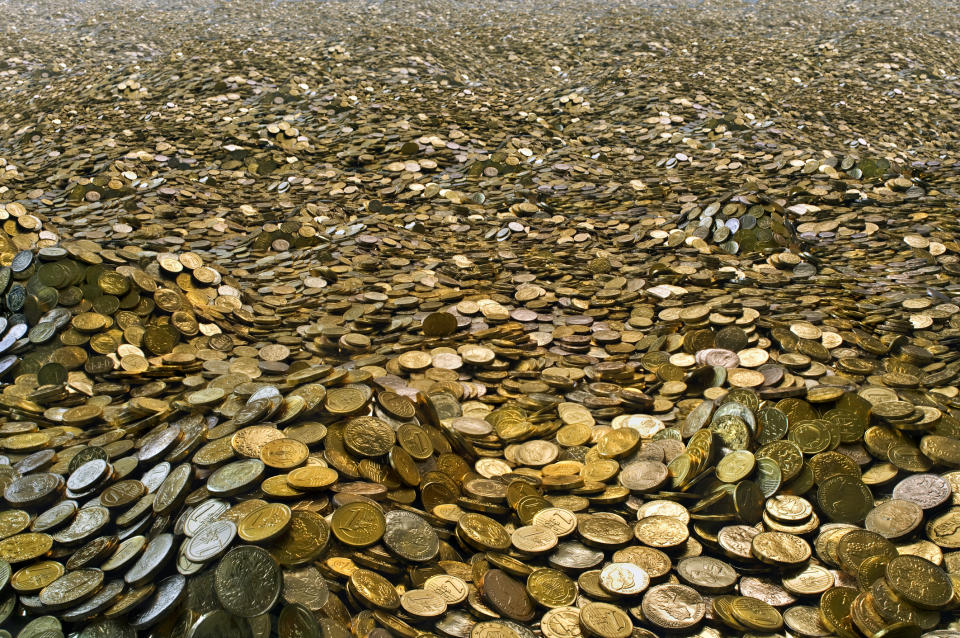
(617, 321)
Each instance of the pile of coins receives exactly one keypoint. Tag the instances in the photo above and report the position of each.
(612, 322)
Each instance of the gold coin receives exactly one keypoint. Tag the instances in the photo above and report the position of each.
(249, 441)
(603, 620)
(277, 487)
(265, 523)
(736, 466)
(920, 582)
(312, 477)
(358, 524)
(755, 614)
(374, 590)
(623, 579)
(35, 577)
(13, 522)
(283, 454)
(561, 622)
(368, 436)
(551, 588)
(453, 590)
(835, 606)
(483, 532)
(422, 603)
(661, 532)
(306, 539)
(779, 548)
(344, 401)
(23, 547)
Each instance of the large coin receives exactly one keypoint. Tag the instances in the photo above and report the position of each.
(248, 581)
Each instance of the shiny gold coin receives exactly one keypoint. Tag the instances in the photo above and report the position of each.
(35, 577)
(13, 522)
(265, 524)
(603, 620)
(755, 614)
(283, 454)
(312, 477)
(358, 524)
(551, 588)
(23, 547)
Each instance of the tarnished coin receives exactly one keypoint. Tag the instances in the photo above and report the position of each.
(409, 536)
(248, 581)
(305, 586)
(219, 623)
(305, 539)
(506, 595)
